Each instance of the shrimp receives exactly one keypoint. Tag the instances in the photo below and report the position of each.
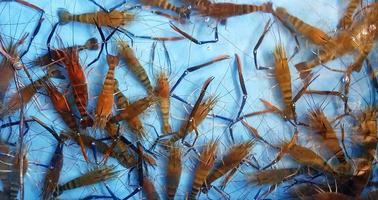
(78, 82)
(197, 115)
(283, 78)
(223, 11)
(174, 169)
(46, 59)
(164, 4)
(112, 19)
(314, 34)
(60, 104)
(230, 160)
(205, 163)
(163, 92)
(122, 103)
(133, 109)
(272, 176)
(193, 122)
(25, 94)
(321, 126)
(53, 172)
(132, 62)
(309, 158)
(106, 97)
(92, 177)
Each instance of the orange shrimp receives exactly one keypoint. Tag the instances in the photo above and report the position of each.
(309, 158)
(122, 103)
(133, 109)
(106, 97)
(112, 19)
(205, 163)
(272, 176)
(25, 94)
(283, 78)
(78, 82)
(174, 169)
(163, 92)
(223, 11)
(314, 34)
(230, 160)
(193, 122)
(321, 126)
(60, 104)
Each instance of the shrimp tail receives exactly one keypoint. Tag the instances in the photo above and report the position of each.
(92, 44)
(64, 16)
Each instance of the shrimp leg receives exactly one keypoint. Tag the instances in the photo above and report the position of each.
(191, 38)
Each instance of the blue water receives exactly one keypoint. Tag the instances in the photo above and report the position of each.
(238, 36)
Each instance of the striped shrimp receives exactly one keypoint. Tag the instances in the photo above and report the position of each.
(205, 163)
(163, 92)
(283, 78)
(174, 169)
(312, 33)
(112, 19)
(106, 97)
(223, 11)
(103, 173)
(60, 104)
(230, 160)
(133, 64)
